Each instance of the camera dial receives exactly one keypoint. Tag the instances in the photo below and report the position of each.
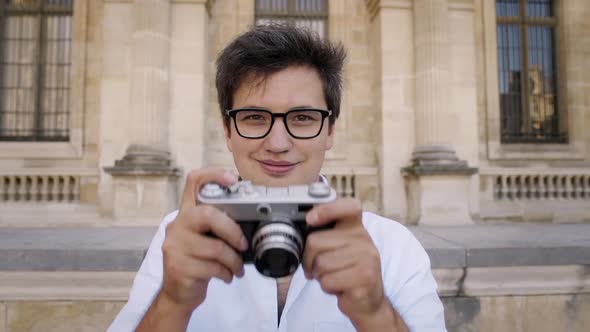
(212, 190)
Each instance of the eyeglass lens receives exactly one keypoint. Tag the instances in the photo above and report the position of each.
(300, 123)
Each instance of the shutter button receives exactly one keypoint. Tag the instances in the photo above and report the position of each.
(212, 190)
(319, 189)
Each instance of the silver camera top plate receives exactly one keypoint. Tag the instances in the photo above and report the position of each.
(244, 192)
(244, 201)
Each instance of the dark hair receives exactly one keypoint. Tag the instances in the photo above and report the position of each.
(267, 49)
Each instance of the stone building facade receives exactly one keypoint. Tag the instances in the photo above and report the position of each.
(419, 140)
(435, 130)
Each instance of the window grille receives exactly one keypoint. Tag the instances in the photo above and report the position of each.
(312, 14)
(529, 111)
(35, 45)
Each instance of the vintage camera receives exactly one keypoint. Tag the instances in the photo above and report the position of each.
(272, 220)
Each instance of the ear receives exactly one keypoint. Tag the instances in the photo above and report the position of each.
(227, 132)
(330, 138)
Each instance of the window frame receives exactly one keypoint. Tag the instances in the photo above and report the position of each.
(575, 147)
(523, 22)
(291, 15)
(72, 148)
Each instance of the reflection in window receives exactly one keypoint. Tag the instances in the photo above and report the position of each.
(312, 14)
(35, 43)
(527, 73)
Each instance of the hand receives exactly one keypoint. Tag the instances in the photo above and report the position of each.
(192, 258)
(345, 261)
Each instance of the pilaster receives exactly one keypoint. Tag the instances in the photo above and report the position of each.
(437, 179)
(144, 180)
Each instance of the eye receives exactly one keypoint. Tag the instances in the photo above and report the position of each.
(303, 117)
(253, 117)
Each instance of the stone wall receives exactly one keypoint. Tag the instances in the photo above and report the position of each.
(54, 316)
(543, 313)
(518, 313)
(491, 278)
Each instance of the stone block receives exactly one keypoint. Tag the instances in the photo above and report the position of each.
(442, 253)
(448, 281)
(439, 199)
(60, 316)
(499, 245)
(47, 286)
(76, 249)
(2, 317)
(532, 313)
(525, 280)
(461, 313)
(144, 199)
(544, 313)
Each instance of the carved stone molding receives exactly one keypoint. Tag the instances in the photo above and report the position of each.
(374, 6)
(513, 280)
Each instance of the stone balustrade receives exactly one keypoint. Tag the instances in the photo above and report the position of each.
(344, 184)
(552, 195)
(361, 183)
(542, 186)
(57, 188)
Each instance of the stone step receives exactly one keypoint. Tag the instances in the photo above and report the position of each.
(123, 248)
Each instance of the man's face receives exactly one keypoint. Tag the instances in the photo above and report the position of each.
(279, 159)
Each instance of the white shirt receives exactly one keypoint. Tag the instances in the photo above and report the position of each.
(250, 303)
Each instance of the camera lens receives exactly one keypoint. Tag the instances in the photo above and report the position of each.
(276, 262)
(277, 249)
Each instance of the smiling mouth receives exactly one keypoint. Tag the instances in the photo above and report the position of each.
(276, 167)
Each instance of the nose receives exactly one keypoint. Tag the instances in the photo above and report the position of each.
(278, 140)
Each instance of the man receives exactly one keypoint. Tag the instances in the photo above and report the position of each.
(279, 90)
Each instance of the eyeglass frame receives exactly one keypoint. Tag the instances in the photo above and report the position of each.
(232, 114)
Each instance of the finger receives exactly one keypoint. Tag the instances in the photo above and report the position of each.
(184, 268)
(206, 270)
(341, 281)
(319, 243)
(334, 260)
(341, 211)
(197, 178)
(207, 218)
(217, 250)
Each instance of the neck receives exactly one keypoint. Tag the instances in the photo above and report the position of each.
(282, 291)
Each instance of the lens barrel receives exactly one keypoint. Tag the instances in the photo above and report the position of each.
(278, 246)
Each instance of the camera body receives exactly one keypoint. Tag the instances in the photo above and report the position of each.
(272, 220)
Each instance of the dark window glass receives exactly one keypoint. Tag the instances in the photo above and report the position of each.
(312, 14)
(35, 45)
(526, 70)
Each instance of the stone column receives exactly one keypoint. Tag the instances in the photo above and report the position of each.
(145, 179)
(438, 179)
(392, 56)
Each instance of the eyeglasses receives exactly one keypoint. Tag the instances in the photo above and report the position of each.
(257, 123)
